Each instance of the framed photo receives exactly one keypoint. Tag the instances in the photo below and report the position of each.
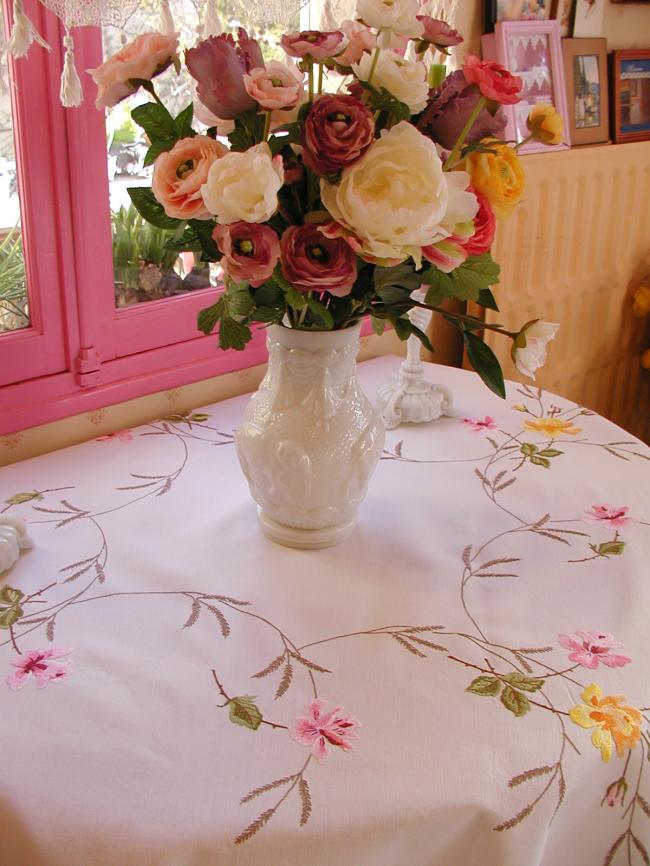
(585, 68)
(516, 10)
(589, 17)
(630, 83)
(533, 51)
(563, 11)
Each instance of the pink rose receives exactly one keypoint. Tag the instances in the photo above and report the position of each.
(493, 80)
(250, 251)
(179, 174)
(219, 64)
(336, 132)
(276, 86)
(360, 38)
(437, 33)
(485, 225)
(314, 43)
(312, 262)
(147, 56)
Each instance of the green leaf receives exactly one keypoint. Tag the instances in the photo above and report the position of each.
(239, 300)
(523, 682)
(10, 615)
(403, 327)
(378, 325)
(295, 299)
(485, 362)
(540, 461)
(383, 100)
(158, 147)
(10, 595)
(203, 230)
(514, 701)
(528, 449)
(464, 283)
(232, 334)
(268, 295)
(188, 242)
(243, 711)
(321, 312)
(550, 452)
(209, 316)
(21, 498)
(183, 122)
(278, 142)
(156, 121)
(150, 209)
(268, 315)
(394, 295)
(486, 299)
(403, 276)
(486, 686)
(610, 548)
(249, 129)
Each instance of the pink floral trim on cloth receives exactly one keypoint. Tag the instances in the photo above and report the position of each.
(593, 648)
(39, 664)
(479, 425)
(613, 515)
(122, 435)
(317, 729)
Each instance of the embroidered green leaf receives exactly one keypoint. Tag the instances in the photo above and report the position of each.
(550, 452)
(10, 595)
(515, 701)
(528, 449)
(540, 461)
(486, 686)
(10, 615)
(243, 711)
(527, 684)
(20, 498)
(610, 548)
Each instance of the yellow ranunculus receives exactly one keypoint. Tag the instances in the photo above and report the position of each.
(641, 301)
(499, 176)
(615, 723)
(545, 124)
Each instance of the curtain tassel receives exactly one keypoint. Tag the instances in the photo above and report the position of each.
(23, 33)
(71, 93)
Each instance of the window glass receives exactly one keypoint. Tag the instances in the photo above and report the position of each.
(14, 304)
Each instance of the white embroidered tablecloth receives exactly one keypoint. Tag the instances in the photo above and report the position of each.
(464, 682)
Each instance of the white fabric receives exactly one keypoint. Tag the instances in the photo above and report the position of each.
(129, 761)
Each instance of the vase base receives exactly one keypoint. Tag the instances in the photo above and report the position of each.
(305, 539)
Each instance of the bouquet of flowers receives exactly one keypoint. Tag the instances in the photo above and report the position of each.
(356, 171)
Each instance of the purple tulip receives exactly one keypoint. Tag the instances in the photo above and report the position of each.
(219, 64)
(449, 108)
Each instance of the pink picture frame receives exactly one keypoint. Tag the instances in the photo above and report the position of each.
(533, 51)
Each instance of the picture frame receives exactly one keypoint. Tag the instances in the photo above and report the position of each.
(563, 11)
(589, 18)
(533, 51)
(630, 94)
(585, 70)
(515, 10)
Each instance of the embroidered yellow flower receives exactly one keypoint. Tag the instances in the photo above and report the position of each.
(614, 721)
(552, 427)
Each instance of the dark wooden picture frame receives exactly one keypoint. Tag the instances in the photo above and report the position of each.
(585, 72)
(494, 11)
(629, 71)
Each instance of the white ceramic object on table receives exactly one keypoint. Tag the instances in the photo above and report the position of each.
(408, 397)
(310, 438)
(13, 539)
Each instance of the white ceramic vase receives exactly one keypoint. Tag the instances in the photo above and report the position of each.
(310, 438)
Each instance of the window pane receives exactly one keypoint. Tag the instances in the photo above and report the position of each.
(14, 311)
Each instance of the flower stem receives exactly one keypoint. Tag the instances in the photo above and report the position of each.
(452, 159)
(461, 317)
(373, 65)
(320, 78)
(267, 125)
(525, 141)
(437, 72)
(311, 80)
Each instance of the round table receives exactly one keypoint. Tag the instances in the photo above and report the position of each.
(463, 682)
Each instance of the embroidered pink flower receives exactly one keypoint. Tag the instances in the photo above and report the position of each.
(39, 664)
(612, 515)
(122, 435)
(479, 425)
(318, 728)
(593, 648)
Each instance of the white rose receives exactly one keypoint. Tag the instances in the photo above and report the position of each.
(245, 187)
(400, 16)
(529, 347)
(407, 81)
(396, 199)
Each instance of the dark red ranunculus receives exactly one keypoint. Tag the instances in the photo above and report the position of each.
(218, 64)
(312, 262)
(336, 132)
(250, 251)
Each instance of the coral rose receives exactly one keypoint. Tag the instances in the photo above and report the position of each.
(545, 124)
(219, 64)
(275, 86)
(244, 186)
(485, 226)
(317, 44)
(499, 176)
(250, 251)
(406, 81)
(493, 80)
(148, 55)
(179, 173)
(312, 262)
(336, 132)
(396, 199)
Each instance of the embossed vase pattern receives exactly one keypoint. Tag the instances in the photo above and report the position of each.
(310, 438)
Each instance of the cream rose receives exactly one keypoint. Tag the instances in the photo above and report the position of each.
(396, 199)
(244, 186)
(396, 15)
(406, 80)
(529, 346)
